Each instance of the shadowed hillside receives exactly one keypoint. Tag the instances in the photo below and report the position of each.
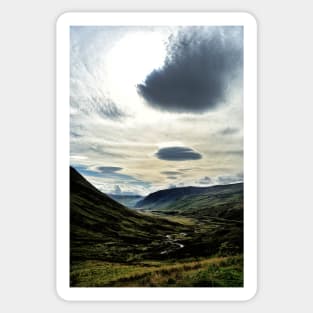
(166, 197)
(101, 228)
(111, 245)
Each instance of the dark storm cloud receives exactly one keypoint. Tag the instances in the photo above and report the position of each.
(109, 169)
(177, 154)
(200, 67)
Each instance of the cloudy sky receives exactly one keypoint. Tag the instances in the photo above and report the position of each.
(156, 107)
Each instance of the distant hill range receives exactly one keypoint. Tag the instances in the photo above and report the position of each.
(129, 201)
(225, 201)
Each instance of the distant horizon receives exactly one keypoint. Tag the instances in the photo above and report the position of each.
(145, 195)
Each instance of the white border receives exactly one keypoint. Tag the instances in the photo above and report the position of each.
(250, 157)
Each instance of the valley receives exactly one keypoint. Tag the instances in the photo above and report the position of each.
(184, 237)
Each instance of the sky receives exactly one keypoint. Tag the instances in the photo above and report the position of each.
(156, 107)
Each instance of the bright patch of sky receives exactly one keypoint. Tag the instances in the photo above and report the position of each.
(131, 128)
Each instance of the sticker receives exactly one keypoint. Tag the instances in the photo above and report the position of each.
(156, 156)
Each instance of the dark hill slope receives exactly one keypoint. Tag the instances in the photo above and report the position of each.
(167, 196)
(224, 201)
(101, 228)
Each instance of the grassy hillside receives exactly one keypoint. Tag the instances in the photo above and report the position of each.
(163, 198)
(224, 202)
(103, 229)
(216, 212)
(187, 198)
(111, 245)
(213, 272)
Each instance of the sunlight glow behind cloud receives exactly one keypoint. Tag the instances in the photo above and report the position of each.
(112, 126)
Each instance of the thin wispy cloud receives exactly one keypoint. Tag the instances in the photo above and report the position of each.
(153, 106)
(229, 131)
(171, 172)
(109, 169)
(224, 180)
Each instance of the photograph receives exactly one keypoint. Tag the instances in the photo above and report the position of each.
(156, 156)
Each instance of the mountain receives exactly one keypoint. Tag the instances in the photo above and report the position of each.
(225, 201)
(217, 213)
(129, 201)
(111, 245)
(165, 197)
(103, 229)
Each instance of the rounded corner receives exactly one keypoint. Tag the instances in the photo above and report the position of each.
(63, 18)
(250, 18)
(61, 294)
(64, 292)
(251, 294)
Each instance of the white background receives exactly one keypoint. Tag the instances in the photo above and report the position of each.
(27, 141)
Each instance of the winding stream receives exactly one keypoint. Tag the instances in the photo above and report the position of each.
(174, 244)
